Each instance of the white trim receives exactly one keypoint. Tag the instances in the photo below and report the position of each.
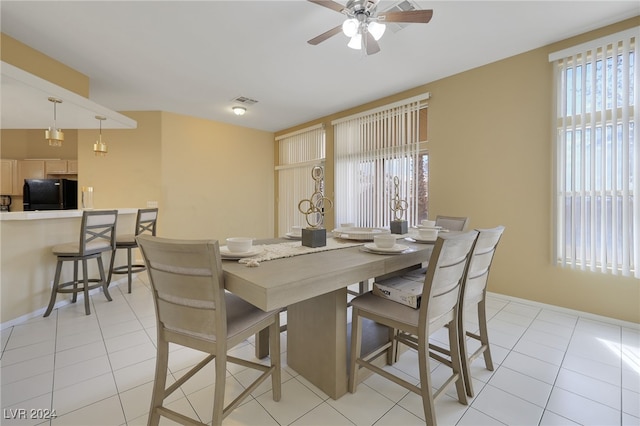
(595, 44)
(297, 132)
(581, 314)
(419, 98)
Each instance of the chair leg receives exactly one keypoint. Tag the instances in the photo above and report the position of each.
(484, 335)
(54, 289)
(113, 258)
(74, 298)
(129, 267)
(456, 362)
(105, 284)
(159, 382)
(85, 278)
(221, 379)
(464, 355)
(426, 388)
(356, 344)
(274, 349)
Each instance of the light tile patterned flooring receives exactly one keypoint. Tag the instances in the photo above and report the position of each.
(553, 367)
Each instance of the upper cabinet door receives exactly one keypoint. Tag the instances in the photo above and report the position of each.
(8, 177)
(55, 167)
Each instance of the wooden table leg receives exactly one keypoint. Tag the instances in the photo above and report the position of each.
(262, 344)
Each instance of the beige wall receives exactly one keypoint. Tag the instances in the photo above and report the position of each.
(22, 56)
(490, 153)
(210, 179)
(19, 144)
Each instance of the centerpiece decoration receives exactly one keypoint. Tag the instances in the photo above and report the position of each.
(313, 208)
(398, 207)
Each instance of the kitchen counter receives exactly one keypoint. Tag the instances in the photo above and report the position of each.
(51, 214)
(27, 265)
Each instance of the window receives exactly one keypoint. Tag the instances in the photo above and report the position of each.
(597, 160)
(299, 152)
(373, 148)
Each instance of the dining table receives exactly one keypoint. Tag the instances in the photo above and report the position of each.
(313, 289)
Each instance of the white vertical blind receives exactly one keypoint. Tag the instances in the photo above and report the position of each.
(299, 152)
(370, 150)
(597, 156)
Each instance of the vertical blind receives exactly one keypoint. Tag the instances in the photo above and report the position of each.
(597, 156)
(370, 150)
(299, 152)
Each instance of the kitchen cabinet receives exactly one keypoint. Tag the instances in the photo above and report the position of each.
(29, 169)
(55, 166)
(9, 177)
(72, 166)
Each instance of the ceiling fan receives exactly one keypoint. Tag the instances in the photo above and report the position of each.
(364, 25)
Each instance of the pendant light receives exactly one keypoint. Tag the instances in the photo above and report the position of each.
(54, 135)
(100, 148)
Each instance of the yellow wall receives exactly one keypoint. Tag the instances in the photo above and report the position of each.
(19, 144)
(22, 56)
(491, 153)
(210, 179)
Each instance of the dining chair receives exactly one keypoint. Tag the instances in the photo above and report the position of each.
(444, 280)
(474, 294)
(452, 223)
(194, 310)
(146, 220)
(97, 235)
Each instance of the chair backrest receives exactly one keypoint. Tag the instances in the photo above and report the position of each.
(98, 231)
(445, 278)
(188, 286)
(480, 263)
(146, 221)
(452, 223)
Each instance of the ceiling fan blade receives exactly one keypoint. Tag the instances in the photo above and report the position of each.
(329, 4)
(415, 16)
(371, 45)
(322, 37)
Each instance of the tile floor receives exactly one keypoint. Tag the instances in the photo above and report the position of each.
(553, 367)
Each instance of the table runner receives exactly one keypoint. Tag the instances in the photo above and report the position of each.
(294, 248)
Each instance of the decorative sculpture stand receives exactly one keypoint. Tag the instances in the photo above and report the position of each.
(313, 209)
(398, 206)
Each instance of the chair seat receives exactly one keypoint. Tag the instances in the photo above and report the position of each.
(73, 249)
(394, 311)
(241, 316)
(127, 240)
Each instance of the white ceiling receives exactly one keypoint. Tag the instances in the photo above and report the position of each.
(195, 57)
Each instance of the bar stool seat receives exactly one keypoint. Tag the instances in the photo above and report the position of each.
(145, 224)
(97, 235)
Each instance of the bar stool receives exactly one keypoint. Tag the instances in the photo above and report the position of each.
(97, 235)
(145, 224)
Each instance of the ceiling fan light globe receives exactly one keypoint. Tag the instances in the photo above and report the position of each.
(350, 27)
(376, 29)
(356, 42)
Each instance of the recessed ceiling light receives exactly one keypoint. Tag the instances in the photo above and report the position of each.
(238, 110)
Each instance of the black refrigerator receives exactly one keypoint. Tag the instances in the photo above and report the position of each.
(50, 194)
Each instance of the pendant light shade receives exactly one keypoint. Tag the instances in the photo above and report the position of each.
(100, 148)
(54, 135)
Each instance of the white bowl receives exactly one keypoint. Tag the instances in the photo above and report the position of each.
(296, 230)
(428, 223)
(384, 240)
(428, 233)
(239, 244)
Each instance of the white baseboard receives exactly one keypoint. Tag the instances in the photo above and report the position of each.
(588, 315)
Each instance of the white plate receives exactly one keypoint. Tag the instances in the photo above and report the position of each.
(226, 254)
(360, 234)
(419, 240)
(398, 248)
(292, 236)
